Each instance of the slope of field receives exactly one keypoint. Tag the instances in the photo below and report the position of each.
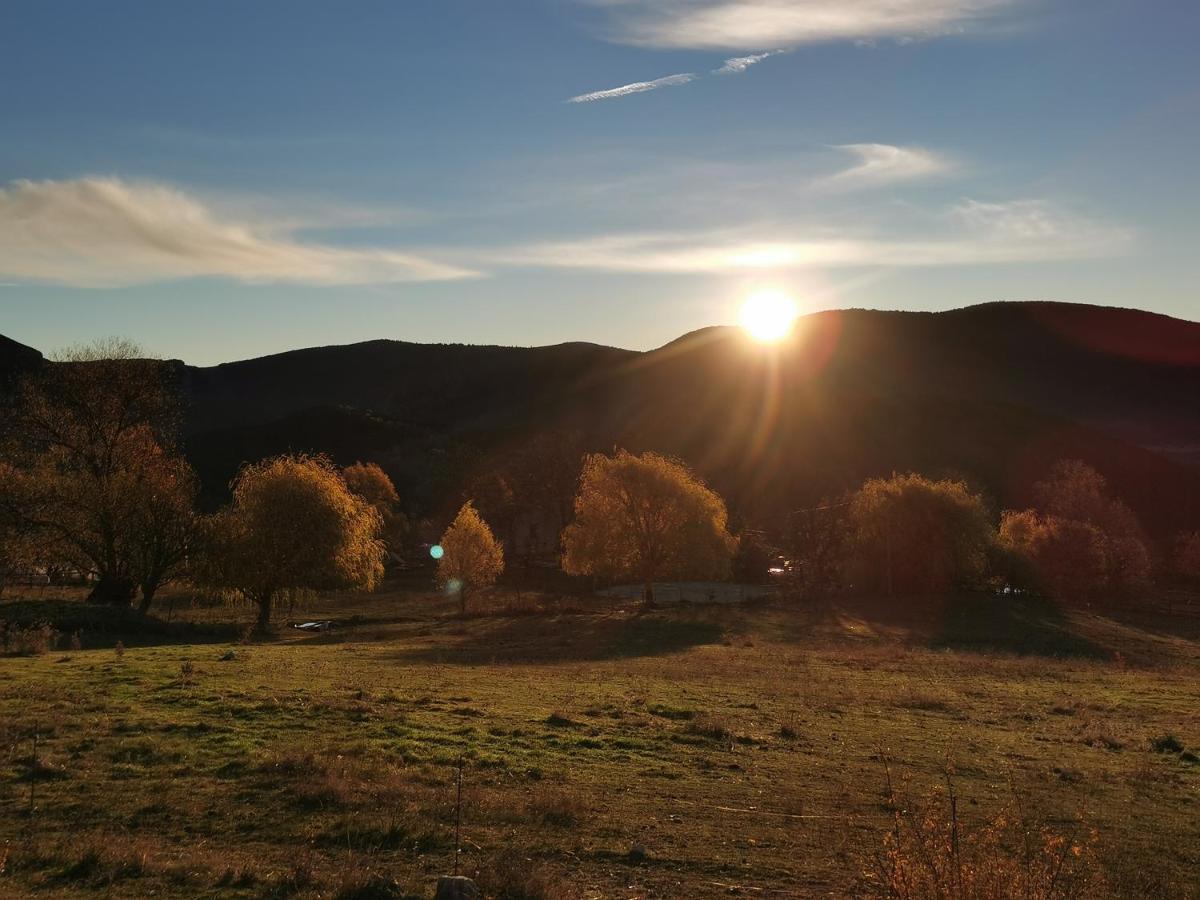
(690, 751)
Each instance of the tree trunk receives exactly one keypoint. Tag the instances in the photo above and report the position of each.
(113, 590)
(462, 601)
(264, 615)
(149, 589)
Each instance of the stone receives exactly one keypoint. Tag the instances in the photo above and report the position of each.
(457, 887)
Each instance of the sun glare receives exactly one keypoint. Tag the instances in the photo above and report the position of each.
(768, 316)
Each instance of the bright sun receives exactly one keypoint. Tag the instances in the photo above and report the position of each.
(768, 316)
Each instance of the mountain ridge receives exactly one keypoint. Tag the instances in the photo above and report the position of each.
(991, 392)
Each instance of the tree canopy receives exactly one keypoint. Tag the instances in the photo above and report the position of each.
(646, 517)
(292, 525)
(95, 476)
(1076, 492)
(472, 558)
(371, 483)
(913, 535)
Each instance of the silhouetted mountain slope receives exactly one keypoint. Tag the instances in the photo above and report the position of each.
(16, 357)
(440, 386)
(994, 393)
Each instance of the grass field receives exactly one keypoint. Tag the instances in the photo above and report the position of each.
(688, 751)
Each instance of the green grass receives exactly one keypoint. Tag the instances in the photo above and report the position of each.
(739, 746)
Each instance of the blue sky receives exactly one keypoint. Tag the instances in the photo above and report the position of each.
(220, 180)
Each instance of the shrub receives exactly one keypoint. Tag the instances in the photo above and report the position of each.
(512, 876)
(1060, 558)
(31, 640)
(1166, 743)
(930, 853)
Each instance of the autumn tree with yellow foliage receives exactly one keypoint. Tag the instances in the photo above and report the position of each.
(293, 525)
(648, 518)
(472, 559)
(370, 482)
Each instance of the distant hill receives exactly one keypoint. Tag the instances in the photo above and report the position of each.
(16, 357)
(994, 393)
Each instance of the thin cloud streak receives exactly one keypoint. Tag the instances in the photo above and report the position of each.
(637, 87)
(746, 24)
(106, 232)
(739, 64)
(971, 233)
(882, 164)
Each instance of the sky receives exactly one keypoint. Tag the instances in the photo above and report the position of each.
(232, 178)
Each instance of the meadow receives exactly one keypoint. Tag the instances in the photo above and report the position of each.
(605, 751)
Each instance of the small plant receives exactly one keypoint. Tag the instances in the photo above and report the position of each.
(187, 672)
(119, 650)
(558, 808)
(708, 726)
(1166, 743)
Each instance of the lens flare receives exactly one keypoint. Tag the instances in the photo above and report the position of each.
(768, 316)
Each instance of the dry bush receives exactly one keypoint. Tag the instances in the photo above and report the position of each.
(931, 854)
(32, 640)
(512, 876)
(559, 807)
(709, 726)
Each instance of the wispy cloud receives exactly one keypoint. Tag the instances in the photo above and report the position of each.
(970, 233)
(739, 64)
(881, 164)
(637, 87)
(746, 24)
(106, 232)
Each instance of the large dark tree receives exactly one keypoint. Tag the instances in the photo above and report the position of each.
(96, 476)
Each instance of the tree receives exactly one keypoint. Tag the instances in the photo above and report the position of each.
(818, 538)
(13, 545)
(1185, 560)
(472, 558)
(646, 517)
(753, 557)
(372, 484)
(92, 436)
(1061, 558)
(1076, 492)
(912, 535)
(292, 525)
(164, 522)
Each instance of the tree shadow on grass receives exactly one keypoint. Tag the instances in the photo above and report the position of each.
(104, 626)
(574, 638)
(1013, 623)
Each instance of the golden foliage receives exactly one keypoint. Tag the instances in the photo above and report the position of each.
(915, 535)
(472, 558)
(370, 482)
(293, 525)
(646, 517)
(931, 854)
(1080, 540)
(1062, 558)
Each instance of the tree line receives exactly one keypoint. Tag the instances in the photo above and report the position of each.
(93, 482)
